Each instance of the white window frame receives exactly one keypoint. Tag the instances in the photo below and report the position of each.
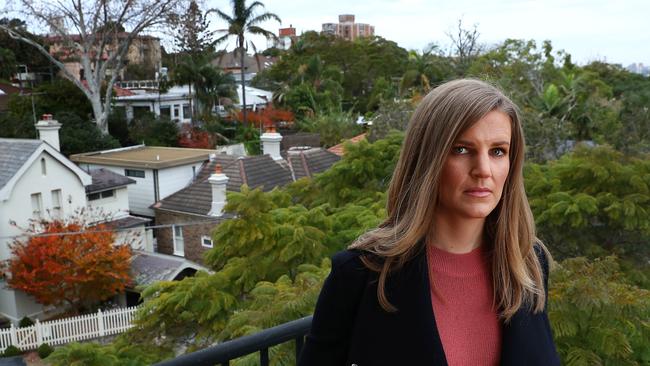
(57, 202)
(37, 205)
(179, 241)
(204, 238)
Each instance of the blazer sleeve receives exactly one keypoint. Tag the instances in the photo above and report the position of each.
(327, 342)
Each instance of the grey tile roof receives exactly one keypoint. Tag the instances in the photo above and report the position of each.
(148, 268)
(105, 179)
(13, 154)
(255, 171)
(307, 162)
(127, 222)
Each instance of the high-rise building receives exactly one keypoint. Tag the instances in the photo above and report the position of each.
(348, 29)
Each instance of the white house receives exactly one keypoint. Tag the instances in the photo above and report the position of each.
(157, 171)
(36, 180)
(108, 199)
(175, 103)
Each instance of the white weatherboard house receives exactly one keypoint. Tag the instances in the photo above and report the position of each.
(157, 171)
(36, 180)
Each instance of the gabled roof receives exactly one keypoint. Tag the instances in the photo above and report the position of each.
(17, 155)
(305, 162)
(255, 171)
(105, 179)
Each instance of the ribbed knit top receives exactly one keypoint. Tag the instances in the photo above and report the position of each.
(461, 295)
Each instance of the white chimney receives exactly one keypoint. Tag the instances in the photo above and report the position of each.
(271, 143)
(218, 181)
(48, 131)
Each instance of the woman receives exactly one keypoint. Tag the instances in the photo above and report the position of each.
(455, 274)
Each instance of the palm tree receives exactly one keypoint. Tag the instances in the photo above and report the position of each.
(244, 20)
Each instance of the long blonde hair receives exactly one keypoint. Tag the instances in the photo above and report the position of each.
(441, 117)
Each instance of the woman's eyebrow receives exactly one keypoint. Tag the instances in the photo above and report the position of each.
(495, 143)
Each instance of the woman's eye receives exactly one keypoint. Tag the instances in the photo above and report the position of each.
(499, 151)
(459, 150)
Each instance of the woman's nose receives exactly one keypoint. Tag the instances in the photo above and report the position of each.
(481, 166)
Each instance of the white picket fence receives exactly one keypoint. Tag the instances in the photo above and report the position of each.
(68, 330)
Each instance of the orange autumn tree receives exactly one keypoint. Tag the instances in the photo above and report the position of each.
(267, 117)
(68, 263)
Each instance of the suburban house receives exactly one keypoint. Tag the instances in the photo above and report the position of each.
(340, 148)
(174, 104)
(37, 181)
(157, 171)
(108, 198)
(193, 212)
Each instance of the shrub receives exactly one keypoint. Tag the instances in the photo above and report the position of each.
(12, 351)
(25, 322)
(44, 350)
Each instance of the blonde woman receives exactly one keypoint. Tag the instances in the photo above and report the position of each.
(455, 275)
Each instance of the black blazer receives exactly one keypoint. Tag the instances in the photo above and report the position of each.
(350, 327)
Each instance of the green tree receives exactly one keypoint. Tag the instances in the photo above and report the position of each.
(78, 135)
(598, 318)
(592, 202)
(244, 21)
(192, 34)
(153, 131)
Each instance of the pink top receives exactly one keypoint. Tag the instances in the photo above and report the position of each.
(462, 305)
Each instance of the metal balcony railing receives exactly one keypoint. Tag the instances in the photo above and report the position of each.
(260, 342)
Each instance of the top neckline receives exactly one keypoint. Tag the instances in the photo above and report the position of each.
(458, 265)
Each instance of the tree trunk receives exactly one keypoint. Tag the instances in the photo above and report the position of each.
(243, 88)
(98, 112)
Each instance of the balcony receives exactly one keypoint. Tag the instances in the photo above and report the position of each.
(223, 353)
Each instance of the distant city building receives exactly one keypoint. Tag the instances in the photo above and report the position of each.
(639, 68)
(286, 37)
(346, 28)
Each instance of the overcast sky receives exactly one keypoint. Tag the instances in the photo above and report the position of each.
(611, 30)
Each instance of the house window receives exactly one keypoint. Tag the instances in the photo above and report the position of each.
(165, 111)
(179, 245)
(43, 167)
(98, 195)
(37, 205)
(177, 111)
(206, 241)
(134, 173)
(56, 203)
(186, 111)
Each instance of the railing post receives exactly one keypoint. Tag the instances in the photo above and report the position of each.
(264, 357)
(13, 335)
(299, 343)
(39, 332)
(100, 322)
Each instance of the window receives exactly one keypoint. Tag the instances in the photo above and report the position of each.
(186, 111)
(37, 205)
(56, 203)
(177, 111)
(165, 111)
(206, 241)
(134, 173)
(179, 247)
(98, 195)
(43, 167)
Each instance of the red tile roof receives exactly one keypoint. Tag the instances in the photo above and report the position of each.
(338, 149)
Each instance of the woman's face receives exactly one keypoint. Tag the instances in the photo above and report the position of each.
(476, 169)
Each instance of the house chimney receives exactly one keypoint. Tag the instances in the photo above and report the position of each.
(48, 131)
(218, 181)
(271, 143)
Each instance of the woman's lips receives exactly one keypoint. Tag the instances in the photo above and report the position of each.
(478, 192)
